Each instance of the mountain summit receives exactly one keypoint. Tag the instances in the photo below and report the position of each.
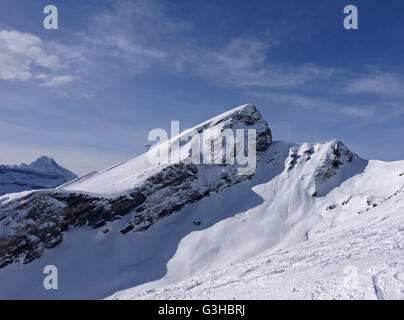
(130, 174)
(145, 226)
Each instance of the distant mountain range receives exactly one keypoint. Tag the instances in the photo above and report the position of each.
(44, 173)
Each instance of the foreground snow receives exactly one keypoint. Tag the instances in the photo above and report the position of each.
(361, 261)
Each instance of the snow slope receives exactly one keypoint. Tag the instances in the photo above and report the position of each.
(360, 260)
(309, 208)
(40, 174)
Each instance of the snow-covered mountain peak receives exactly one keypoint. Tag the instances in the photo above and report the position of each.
(322, 165)
(247, 114)
(47, 164)
(41, 174)
(44, 163)
(127, 175)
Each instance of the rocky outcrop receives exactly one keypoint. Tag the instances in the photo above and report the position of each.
(324, 164)
(37, 221)
(339, 155)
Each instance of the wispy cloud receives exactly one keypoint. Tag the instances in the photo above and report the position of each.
(381, 83)
(142, 34)
(320, 104)
(244, 62)
(54, 81)
(135, 32)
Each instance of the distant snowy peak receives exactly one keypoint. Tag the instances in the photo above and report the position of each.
(45, 164)
(48, 165)
(41, 174)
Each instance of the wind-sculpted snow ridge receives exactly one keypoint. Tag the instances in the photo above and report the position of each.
(41, 174)
(143, 226)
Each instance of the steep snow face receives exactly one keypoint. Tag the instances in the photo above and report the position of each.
(40, 174)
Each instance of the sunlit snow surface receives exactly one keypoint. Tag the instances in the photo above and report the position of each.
(363, 261)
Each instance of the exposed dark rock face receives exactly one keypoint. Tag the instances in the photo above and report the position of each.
(339, 155)
(264, 140)
(252, 118)
(38, 221)
(175, 187)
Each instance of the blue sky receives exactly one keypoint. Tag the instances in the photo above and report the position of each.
(89, 93)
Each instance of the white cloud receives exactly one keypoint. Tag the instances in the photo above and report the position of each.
(54, 81)
(23, 57)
